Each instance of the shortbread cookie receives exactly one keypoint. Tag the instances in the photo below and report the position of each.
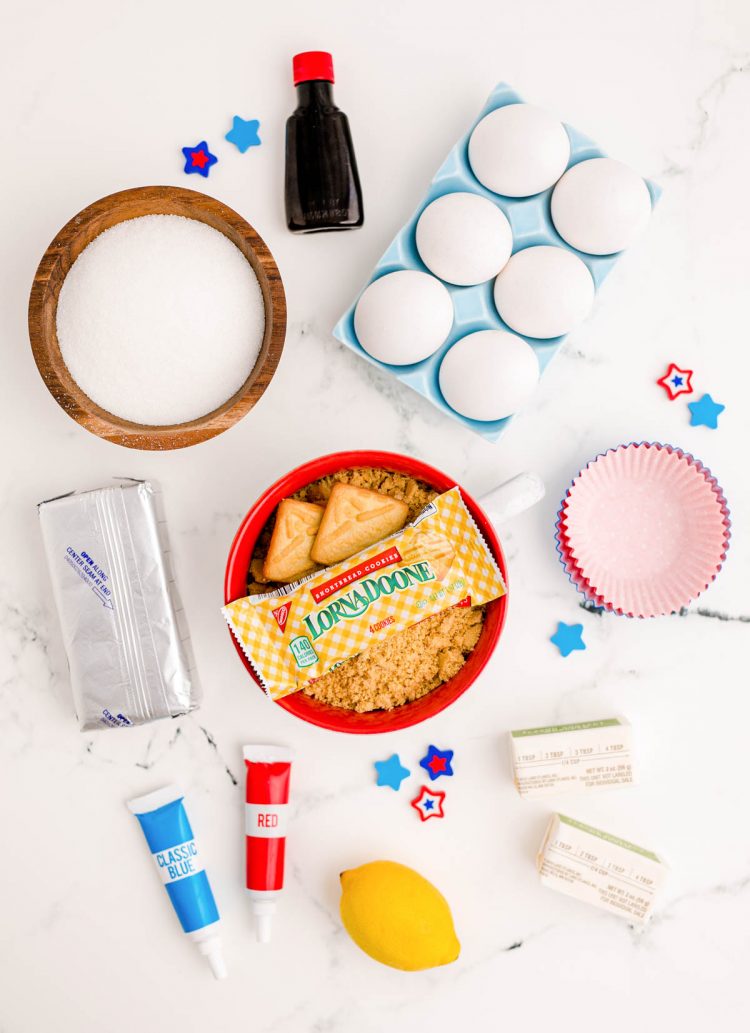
(433, 547)
(355, 518)
(293, 536)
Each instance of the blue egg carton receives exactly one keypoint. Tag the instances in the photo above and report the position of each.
(474, 307)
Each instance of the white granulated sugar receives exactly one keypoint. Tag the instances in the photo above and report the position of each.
(160, 319)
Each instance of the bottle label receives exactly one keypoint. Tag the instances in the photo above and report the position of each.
(331, 214)
(178, 862)
(266, 820)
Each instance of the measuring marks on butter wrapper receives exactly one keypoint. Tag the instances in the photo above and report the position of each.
(567, 758)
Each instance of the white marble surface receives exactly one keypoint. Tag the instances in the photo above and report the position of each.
(99, 97)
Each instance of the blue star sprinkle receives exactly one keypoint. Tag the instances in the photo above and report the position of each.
(391, 772)
(198, 159)
(244, 134)
(568, 638)
(705, 412)
(437, 762)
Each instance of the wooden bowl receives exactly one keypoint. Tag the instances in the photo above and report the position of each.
(62, 253)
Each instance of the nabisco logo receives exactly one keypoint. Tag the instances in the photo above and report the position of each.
(281, 614)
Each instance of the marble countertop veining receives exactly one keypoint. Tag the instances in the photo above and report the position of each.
(99, 97)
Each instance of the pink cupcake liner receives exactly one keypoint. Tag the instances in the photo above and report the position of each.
(643, 530)
(574, 574)
(581, 584)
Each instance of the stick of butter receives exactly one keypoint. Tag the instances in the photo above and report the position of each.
(565, 758)
(600, 869)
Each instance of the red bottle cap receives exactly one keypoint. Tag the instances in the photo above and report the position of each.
(313, 64)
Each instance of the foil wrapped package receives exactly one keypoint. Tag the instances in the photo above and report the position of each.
(124, 629)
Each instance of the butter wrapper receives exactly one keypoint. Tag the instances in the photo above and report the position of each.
(124, 629)
(302, 631)
(600, 869)
(572, 757)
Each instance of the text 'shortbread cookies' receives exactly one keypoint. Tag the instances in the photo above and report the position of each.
(300, 632)
(292, 540)
(355, 518)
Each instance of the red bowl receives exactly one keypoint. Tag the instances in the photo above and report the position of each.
(336, 718)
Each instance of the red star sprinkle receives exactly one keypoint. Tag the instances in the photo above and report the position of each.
(199, 159)
(428, 804)
(436, 765)
(676, 381)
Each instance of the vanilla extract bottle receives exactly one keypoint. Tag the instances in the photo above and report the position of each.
(322, 189)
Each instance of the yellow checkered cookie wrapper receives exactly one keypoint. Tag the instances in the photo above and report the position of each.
(304, 630)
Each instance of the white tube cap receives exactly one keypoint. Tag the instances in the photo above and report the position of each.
(211, 949)
(264, 911)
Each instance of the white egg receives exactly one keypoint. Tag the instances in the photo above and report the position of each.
(519, 150)
(544, 291)
(464, 238)
(403, 317)
(488, 375)
(600, 206)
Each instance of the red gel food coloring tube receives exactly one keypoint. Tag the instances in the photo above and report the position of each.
(266, 814)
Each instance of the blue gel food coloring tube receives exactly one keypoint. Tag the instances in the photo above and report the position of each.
(170, 839)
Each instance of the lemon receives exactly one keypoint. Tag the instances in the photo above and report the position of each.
(397, 916)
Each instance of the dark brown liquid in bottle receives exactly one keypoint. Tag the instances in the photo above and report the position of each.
(322, 190)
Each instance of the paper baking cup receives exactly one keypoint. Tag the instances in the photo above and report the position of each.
(643, 530)
(574, 575)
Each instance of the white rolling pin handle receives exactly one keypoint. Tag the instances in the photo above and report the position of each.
(513, 497)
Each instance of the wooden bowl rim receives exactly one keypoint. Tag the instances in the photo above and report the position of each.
(65, 390)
